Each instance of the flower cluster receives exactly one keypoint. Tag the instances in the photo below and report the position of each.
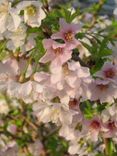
(59, 86)
(13, 26)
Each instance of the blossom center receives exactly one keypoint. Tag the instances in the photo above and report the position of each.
(72, 103)
(68, 36)
(111, 125)
(109, 73)
(58, 51)
(31, 10)
(102, 87)
(66, 69)
(18, 31)
(95, 124)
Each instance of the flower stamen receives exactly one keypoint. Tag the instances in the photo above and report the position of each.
(68, 36)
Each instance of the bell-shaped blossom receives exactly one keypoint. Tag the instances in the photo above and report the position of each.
(109, 119)
(8, 72)
(92, 128)
(110, 129)
(108, 72)
(68, 81)
(109, 113)
(67, 33)
(9, 19)
(58, 113)
(48, 89)
(72, 77)
(78, 146)
(67, 132)
(16, 38)
(30, 43)
(103, 90)
(20, 91)
(33, 12)
(57, 53)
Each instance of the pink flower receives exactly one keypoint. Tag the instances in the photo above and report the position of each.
(57, 53)
(108, 72)
(48, 90)
(110, 129)
(9, 67)
(67, 132)
(58, 113)
(67, 33)
(66, 82)
(103, 90)
(84, 77)
(42, 77)
(93, 127)
(73, 78)
(8, 72)
(22, 65)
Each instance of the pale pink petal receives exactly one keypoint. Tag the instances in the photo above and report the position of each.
(72, 44)
(41, 76)
(64, 26)
(65, 57)
(57, 45)
(75, 28)
(57, 35)
(49, 56)
(47, 43)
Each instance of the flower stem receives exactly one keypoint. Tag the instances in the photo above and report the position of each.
(106, 146)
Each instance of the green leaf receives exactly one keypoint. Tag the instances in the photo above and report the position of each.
(88, 110)
(110, 147)
(39, 50)
(56, 146)
(19, 122)
(24, 140)
(3, 52)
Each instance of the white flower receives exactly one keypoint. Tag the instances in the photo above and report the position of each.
(4, 109)
(30, 43)
(71, 77)
(33, 13)
(109, 113)
(8, 71)
(16, 38)
(53, 112)
(20, 90)
(77, 146)
(67, 132)
(103, 90)
(8, 17)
